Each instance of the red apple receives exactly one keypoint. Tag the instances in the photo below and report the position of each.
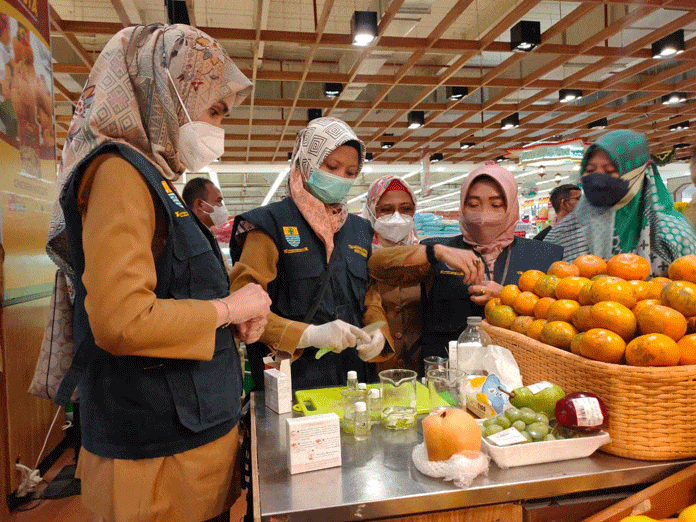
(449, 432)
(582, 411)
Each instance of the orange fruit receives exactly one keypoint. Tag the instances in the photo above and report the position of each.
(563, 269)
(618, 291)
(582, 320)
(502, 316)
(661, 319)
(528, 279)
(545, 286)
(642, 304)
(653, 349)
(642, 288)
(683, 269)
(655, 287)
(569, 287)
(541, 307)
(508, 294)
(687, 349)
(602, 345)
(558, 333)
(562, 310)
(680, 295)
(524, 303)
(691, 324)
(590, 265)
(521, 324)
(490, 305)
(615, 317)
(575, 343)
(629, 266)
(534, 330)
(584, 296)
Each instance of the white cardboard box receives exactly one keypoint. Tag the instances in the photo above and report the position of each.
(278, 390)
(314, 442)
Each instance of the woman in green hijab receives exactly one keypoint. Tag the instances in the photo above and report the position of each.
(625, 207)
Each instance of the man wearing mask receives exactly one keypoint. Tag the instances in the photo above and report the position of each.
(205, 199)
(563, 199)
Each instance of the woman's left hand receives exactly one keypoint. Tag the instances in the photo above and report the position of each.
(484, 291)
(251, 330)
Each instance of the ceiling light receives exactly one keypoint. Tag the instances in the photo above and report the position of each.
(525, 36)
(363, 27)
(466, 144)
(387, 144)
(682, 145)
(331, 90)
(569, 95)
(598, 124)
(511, 121)
(455, 92)
(289, 156)
(679, 126)
(313, 114)
(669, 45)
(368, 156)
(437, 156)
(542, 171)
(500, 158)
(673, 98)
(416, 119)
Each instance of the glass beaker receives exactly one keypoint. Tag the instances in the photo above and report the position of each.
(398, 398)
(433, 362)
(447, 388)
(350, 397)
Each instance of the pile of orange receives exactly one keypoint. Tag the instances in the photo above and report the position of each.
(606, 310)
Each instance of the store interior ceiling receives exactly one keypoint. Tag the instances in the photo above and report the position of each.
(425, 51)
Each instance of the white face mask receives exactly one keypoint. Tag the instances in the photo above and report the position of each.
(200, 143)
(394, 227)
(219, 215)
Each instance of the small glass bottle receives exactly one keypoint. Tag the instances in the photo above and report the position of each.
(374, 404)
(471, 346)
(361, 422)
(362, 386)
(352, 380)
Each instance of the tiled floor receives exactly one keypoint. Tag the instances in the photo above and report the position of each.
(70, 509)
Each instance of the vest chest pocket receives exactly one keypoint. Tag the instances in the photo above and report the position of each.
(358, 277)
(197, 272)
(301, 275)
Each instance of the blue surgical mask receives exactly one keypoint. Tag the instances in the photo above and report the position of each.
(328, 187)
(602, 190)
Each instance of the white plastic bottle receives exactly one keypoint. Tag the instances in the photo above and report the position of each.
(471, 347)
(361, 421)
(352, 380)
(362, 386)
(374, 404)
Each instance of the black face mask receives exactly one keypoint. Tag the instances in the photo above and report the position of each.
(601, 190)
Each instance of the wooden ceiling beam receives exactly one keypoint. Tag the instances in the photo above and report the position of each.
(59, 26)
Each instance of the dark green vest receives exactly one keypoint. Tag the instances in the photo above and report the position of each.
(301, 263)
(142, 407)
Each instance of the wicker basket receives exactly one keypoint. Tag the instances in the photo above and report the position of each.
(652, 411)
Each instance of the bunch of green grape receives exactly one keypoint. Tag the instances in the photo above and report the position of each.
(532, 425)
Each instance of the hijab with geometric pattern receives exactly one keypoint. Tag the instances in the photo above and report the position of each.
(129, 99)
(644, 222)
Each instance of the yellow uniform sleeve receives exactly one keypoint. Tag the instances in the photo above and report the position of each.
(387, 265)
(120, 230)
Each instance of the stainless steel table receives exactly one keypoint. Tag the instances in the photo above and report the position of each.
(378, 478)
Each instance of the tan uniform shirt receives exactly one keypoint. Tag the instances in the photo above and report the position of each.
(121, 229)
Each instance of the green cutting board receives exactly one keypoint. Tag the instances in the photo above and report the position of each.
(328, 400)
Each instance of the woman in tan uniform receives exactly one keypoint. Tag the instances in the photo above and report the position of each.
(156, 366)
(390, 207)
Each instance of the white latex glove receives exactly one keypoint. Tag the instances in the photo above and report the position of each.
(336, 336)
(372, 349)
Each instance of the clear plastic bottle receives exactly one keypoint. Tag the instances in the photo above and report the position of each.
(362, 386)
(471, 347)
(352, 380)
(374, 404)
(361, 421)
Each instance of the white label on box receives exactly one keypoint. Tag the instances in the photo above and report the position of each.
(314, 442)
(536, 388)
(507, 437)
(587, 411)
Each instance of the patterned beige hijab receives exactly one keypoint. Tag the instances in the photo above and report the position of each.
(129, 99)
(313, 144)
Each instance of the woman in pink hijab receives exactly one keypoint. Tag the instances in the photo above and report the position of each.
(461, 273)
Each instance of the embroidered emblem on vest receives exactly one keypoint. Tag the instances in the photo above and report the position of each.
(292, 236)
(358, 250)
(171, 195)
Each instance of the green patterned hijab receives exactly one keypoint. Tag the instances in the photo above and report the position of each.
(644, 222)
